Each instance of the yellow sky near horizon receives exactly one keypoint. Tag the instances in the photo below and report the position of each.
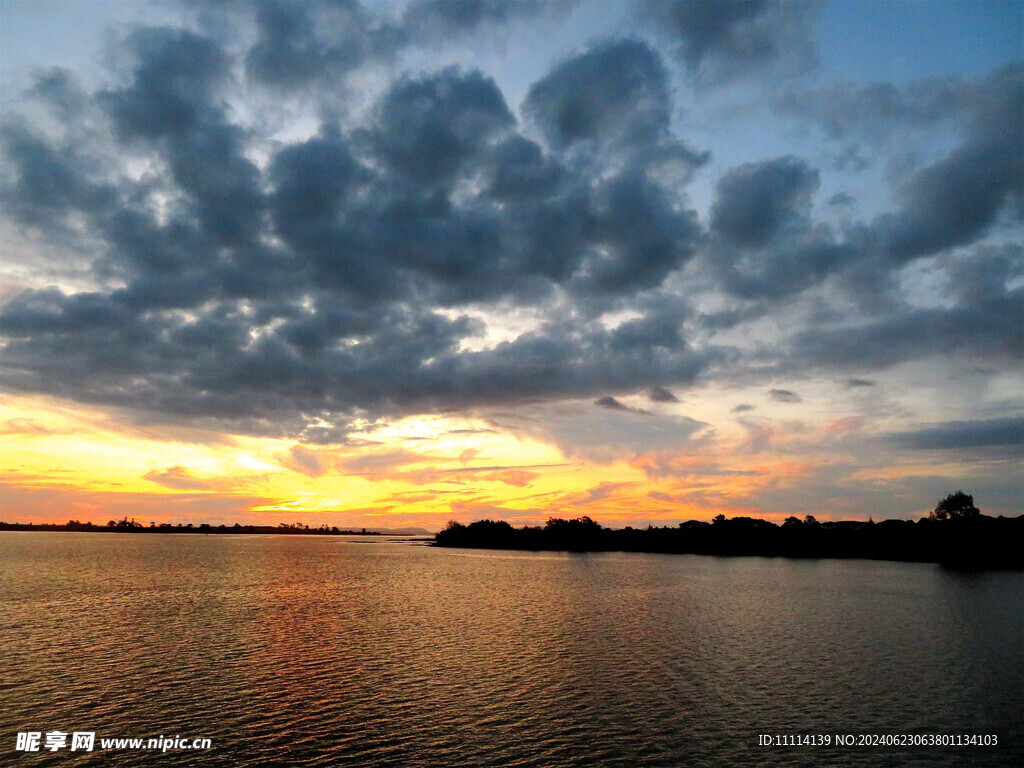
(61, 460)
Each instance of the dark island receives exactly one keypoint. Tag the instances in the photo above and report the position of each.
(955, 534)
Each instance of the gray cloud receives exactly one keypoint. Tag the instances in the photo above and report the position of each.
(292, 286)
(948, 203)
(661, 395)
(301, 45)
(957, 435)
(432, 19)
(987, 327)
(784, 396)
(755, 201)
(617, 91)
(767, 247)
(302, 42)
(611, 404)
(721, 41)
(179, 479)
(280, 299)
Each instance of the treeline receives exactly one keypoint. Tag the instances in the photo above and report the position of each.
(976, 541)
(132, 526)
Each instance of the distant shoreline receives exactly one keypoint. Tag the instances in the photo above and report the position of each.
(122, 526)
(982, 543)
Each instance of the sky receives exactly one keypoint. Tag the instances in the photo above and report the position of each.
(382, 264)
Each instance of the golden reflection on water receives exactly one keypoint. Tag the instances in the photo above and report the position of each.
(313, 650)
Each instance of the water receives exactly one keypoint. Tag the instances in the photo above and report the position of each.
(294, 650)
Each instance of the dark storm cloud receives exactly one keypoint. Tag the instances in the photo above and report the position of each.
(616, 92)
(755, 201)
(719, 41)
(172, 86)
(954, 435)
(290, 298)
(291, 286)
(302, 42)
(430, 127)
(173, 102)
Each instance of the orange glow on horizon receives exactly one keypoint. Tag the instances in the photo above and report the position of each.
(62, 461)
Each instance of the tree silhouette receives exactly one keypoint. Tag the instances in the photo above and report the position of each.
(956, 506)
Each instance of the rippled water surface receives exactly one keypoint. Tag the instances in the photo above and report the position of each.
(301, 650)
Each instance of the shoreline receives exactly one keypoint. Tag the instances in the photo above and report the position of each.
(983, 543)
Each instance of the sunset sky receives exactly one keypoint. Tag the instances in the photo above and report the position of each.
(392, 264)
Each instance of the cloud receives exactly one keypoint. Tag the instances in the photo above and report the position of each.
(277, 297)
(766, 245)
(661, 395)
(1005, 432)
(784, 396)
(22, 426)
(949, 202)
(611, 404)
(180, 479)
(769, 248)
(754, 201)
(380, 463)
(318, 44)
(303, 461)
(222, 263)
(984, 328)
(302, 42)
(615, 92)
(597, 494)
(954, 200)
(440, 19)
(601, 434)
(431, 127)
(722, 41)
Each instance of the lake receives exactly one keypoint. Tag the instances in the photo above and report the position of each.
(309, 651)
